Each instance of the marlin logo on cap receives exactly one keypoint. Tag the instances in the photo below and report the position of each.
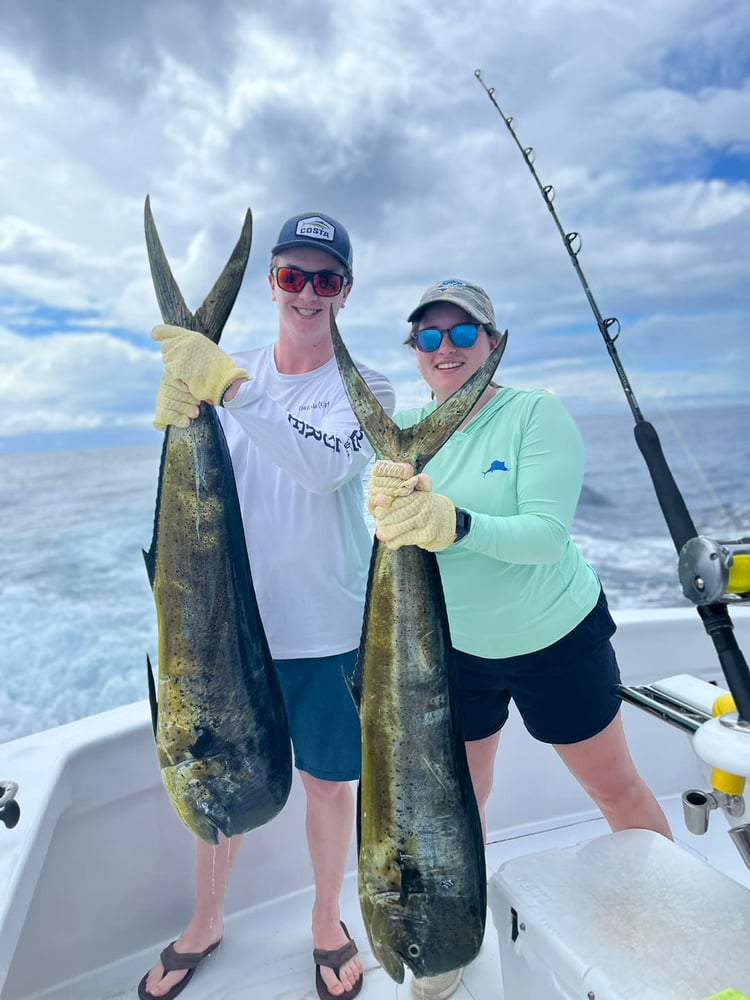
(451, 283)
(316, 228)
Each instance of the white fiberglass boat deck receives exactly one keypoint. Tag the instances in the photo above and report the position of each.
(98, 874)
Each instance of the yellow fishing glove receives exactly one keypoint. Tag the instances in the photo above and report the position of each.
(422, 518)
(175, 404)
(194, 359)
(387, 481)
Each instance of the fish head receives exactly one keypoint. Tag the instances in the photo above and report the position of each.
(215, 795)
(429, 936)
(384, 936)
(197, 799)
(397, 935)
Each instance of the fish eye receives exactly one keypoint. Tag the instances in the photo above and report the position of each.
(414, 951)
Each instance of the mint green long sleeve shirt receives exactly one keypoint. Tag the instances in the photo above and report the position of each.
(517, 582)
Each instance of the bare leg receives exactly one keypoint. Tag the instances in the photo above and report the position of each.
(330, 821)
(481, 756)
(212, 868)
(604, 768)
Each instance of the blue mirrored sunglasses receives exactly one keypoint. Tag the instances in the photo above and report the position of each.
(460, 335)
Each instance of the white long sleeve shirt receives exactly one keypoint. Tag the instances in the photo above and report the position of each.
(298, 455)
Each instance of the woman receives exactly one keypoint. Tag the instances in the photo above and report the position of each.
(528, 617)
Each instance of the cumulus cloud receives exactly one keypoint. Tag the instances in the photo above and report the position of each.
(639, 117)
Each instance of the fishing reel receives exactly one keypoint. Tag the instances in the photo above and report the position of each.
(712, 571)
(9, 809)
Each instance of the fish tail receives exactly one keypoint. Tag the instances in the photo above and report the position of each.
(212, 315)
(217, 305)
(419, 443)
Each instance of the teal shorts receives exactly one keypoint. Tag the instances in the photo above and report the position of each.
(323, 720)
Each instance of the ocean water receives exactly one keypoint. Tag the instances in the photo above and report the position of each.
(76, 612)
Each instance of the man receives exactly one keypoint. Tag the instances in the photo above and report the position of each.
(298, 455)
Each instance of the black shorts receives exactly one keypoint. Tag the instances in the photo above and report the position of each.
(564, 693)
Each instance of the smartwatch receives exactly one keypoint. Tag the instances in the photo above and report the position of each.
(463, 524)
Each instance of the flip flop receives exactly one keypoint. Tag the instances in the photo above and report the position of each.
(334, 960)
(176, 961)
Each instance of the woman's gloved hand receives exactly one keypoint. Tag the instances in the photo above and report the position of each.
(406, 510)
(387, 481)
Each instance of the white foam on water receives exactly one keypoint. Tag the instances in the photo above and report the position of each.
(76, 612)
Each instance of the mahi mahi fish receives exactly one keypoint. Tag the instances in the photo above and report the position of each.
(219, 720)
(421, 864)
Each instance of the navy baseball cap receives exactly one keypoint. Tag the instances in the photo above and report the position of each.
(313, 229)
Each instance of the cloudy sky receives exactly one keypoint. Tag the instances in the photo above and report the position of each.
(639, 114)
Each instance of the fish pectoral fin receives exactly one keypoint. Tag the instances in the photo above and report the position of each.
(359, 816)
(150, 559)
(152, 695)
(409, 876)
(403, 896)
(353, 689)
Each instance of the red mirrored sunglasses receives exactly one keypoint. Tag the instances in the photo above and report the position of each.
(325, 283)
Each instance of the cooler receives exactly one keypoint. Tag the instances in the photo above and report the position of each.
(627, 916)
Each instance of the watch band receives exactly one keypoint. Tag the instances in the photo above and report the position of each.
(463, 523)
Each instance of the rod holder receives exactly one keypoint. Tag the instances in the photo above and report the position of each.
(697, 805)
(741, 837)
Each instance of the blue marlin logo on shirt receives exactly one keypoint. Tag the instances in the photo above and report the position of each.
(496, 466)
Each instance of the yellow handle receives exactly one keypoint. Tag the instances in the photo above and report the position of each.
(723, 781)
(739, 575)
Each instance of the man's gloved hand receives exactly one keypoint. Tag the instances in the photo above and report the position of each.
(387, 481)
(420, 518)
(175, 404)
(195, 360)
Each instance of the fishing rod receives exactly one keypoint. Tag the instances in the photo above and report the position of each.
(712, 573)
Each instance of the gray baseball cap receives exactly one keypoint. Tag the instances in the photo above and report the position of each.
(471, 298)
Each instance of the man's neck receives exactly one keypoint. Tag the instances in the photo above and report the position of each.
(295, 357)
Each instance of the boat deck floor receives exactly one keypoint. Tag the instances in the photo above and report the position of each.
(266, 952)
